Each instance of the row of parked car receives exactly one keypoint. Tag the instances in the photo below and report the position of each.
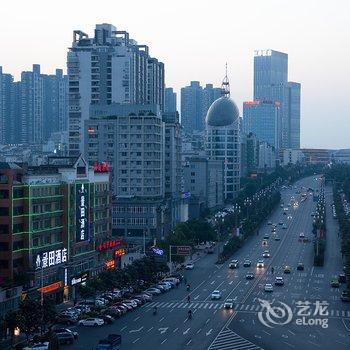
(108, 306)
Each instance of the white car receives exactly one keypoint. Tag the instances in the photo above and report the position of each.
(153, 291)
(92, 322)
(268, 287)
(167, 286)
(216, 295)
(189, 266)
(39, 346)
(301, 235)
(260, 264)
(229, 304)
(266, 254)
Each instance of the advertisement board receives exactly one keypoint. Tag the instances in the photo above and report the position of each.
(82, 212)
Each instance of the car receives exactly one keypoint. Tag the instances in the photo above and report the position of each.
(92, 322)
(300, 266)
(301, 235)
(247, 263)
(265, 243)
(342, 278)
(65, 338)
(189, 266)
(65, 319)
(166, 285)
(269, 223)
(345, 296)
(284, 227)
(66, 330)
(266, 254)
(107, 319)
(268, 287)
(279, 281)
(145, 296)
(215, 295)
(287, 269)
(131, 303)
(260, 264)
(38, 346)
(153, 291)
(277, 238)
(335, 283)
(280, 223)
(249, 276)
(233, 264)
(273, 230)
(229, 304)
(162, 288)
(266, 236)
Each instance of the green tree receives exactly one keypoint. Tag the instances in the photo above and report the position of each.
(31, 316)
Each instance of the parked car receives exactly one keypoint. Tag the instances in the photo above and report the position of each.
(215, 295)
(66, 330)
(65, 319)
(342, 278)
(38, 346)
(287, 269)
(92, 322)
(65, 338)
(107, 319)
(153, 291)
(189, 266)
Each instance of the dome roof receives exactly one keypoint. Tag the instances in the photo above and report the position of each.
(222, 112)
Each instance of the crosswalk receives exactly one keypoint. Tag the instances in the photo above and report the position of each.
(239, 307)
(229, 340)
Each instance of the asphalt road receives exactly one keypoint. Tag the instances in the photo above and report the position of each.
(214, 328)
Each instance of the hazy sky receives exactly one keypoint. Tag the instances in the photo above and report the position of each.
(194, 38)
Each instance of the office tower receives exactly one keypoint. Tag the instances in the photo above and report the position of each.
(192, 118)
(32, 114)
(170, 101)
(130, 138)
(222, 139)
(271, 84)
(261, 119)
(173, 165)
(108, 68)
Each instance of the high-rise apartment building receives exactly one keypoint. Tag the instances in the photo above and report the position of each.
(195, 102)
(170, 101)
(271, 84)
(33, 108)
(108, 68)
(261, 119)
(192, 117)
(130, 139)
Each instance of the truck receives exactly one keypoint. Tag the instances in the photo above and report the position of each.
(112, 342)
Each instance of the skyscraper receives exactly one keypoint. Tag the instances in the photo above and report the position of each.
(271, 84)
(210, 94)
(261, 119)
(108, 68)
(170, 100)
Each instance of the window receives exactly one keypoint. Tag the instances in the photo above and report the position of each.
(4, 194)
(17, 211)
(17, 228)
(4, 211)
(4, 264)
(18, 245)
(4, 246)
(18, 193)
(4, 179)
(4, 229)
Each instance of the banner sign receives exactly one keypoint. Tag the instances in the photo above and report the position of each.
(183, 250)
(82, 212)
(51, 258)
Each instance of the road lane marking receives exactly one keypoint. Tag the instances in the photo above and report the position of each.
(135, 319)
(164, 341)
(186, 331)
(175, 330)
(136, 330)
(150, 329)
(123, 328)
(161, 319)
(207, 321)
(199, 330)
(170, 305)
(136, 340)
(291, 332)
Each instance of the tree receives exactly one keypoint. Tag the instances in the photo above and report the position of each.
(86, 291)
(31, 316)
(12, 321)
(49, 313)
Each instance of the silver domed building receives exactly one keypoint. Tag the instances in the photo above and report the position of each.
(222, 138)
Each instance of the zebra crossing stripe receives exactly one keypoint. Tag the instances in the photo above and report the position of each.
(170, 305)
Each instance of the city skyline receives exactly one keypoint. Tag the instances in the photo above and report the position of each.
(315, 48)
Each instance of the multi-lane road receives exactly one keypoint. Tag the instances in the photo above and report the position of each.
(306, 297)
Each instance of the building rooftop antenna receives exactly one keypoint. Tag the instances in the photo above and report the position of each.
(225, 86)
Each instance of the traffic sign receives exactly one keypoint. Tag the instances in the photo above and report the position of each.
(183, 250)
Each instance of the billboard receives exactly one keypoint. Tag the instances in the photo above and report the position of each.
(82, 212)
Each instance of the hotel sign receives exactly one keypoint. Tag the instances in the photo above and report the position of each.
(51, 258)
(82, 212)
